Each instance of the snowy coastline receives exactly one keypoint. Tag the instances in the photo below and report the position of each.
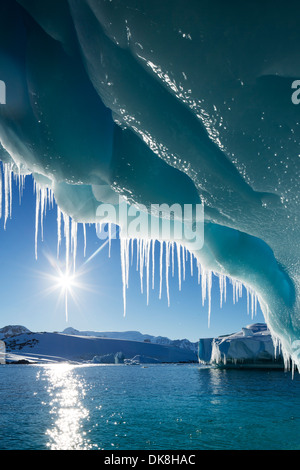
(252, 347)
(24, 346)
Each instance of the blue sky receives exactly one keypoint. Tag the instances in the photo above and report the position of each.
(25, 281)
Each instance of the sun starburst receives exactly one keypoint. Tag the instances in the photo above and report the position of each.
(65, 281)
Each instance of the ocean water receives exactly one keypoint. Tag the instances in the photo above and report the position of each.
(65, 407)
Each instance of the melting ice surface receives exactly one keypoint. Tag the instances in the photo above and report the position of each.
(164, 102)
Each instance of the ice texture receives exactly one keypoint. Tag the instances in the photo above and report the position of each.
(251, 347)
(164, 102)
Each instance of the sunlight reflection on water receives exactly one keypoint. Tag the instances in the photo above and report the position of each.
(66, 394)
(115, 407)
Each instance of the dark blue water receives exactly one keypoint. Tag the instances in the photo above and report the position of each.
(157, 407)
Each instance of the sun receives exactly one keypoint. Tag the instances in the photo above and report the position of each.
(66, 281)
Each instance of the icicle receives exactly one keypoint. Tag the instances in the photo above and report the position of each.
(199, 271)
(84, 239)
(131, 250)
(277, 346)
(67, 238)
(37, 209)
(191, 263)
(179, 265)
(167, 271)
(148, 245)
(137, 253)
(240, 290)
(58, 230)
(42, 202)
(124, 248)
(141, 257)
(123, 268)
(247, 289)
(221, 286)
(10, 189)
(173, 263)
(209, 287)
(153, 262)
(233, 290)
(161, 267)
(183, 262)
(51, 198)
(6, 193)
(127, 263)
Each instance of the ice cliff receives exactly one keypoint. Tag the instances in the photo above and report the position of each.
(164, 102)
(251, 347)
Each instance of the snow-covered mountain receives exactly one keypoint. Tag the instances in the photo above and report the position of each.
(12, 330)
(135, 336)
(21, 344)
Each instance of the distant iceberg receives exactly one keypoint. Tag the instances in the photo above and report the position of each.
(2, 352)
(251, 347)
(117, 358)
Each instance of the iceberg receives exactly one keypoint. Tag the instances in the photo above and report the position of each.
(145, 102)
(117, 358)
(2, 352)
(137, 360)
(252, 347)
